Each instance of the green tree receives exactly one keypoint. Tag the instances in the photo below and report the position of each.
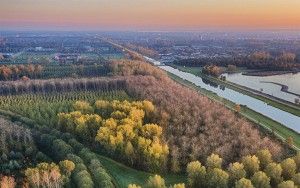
(260, 180)
(196, 174)
(243, 183)
(218, 178)
(214, 161)
(288, 168)
(274, 171)
(251, 164)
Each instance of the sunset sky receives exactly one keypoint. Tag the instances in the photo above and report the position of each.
(149, 14)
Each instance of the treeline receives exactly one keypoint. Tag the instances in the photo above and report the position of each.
(122, 130)
(259, 171)
(60, 85)
(142, 50)
(74, 70)
(16, 72)
(252, 171)
(212, 70)
(135, 68)
(257, 60)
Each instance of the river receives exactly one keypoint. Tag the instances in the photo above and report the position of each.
(285, 118)
(266, 84)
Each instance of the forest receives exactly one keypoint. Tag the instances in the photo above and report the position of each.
(138, 116)
(12, 72)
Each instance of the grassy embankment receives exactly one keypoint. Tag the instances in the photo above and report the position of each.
(268, 124)
(288, 107)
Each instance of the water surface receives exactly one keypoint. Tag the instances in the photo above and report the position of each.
(258, 83)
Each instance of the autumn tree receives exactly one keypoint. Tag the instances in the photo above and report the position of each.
(134, 186)
(66, 167)
(243, 183)
(288, 168)
(265, 157)
(7, 182)
(290, 141)
(44, 175)
(214, 161)
(121, 128)
(251, 164)
(83, 107)
(237, 108)
(196, 174)
(287, 184)
(260, 56)
(260, 180)
(296, 179)
(155, 181)
(274, 171)
(179, 185)
(236, 172)
(287, 57)
(217, 178)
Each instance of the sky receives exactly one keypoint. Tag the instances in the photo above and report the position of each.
(149, 14)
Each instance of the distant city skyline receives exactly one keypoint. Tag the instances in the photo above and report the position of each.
(151, 15)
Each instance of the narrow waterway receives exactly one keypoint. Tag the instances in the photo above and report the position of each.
(259, 106)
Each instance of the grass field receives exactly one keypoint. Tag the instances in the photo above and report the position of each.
(269, 125)
(293, 109)
(124, 175)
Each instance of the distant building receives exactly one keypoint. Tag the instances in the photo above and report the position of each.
(67, 58)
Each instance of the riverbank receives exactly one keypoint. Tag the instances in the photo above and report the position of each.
(270, 100)
(268, 73)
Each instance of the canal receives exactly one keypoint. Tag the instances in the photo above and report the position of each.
(285, 118)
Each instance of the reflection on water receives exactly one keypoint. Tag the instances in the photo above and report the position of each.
(270, 84)
(208, 82)
(276, 114)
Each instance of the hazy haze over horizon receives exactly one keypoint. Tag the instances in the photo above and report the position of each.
(149, 14)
